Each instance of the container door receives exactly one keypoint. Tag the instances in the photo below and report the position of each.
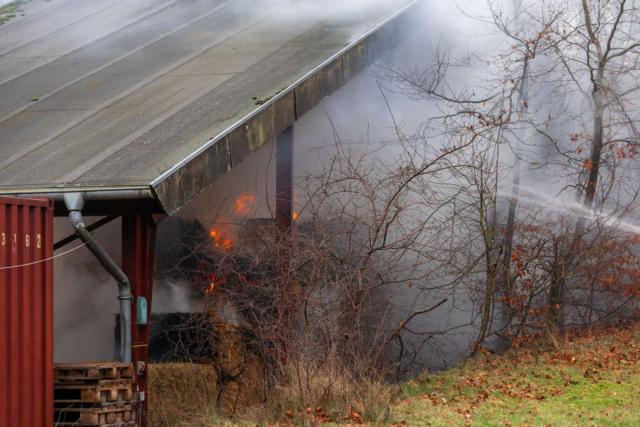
(26, 312)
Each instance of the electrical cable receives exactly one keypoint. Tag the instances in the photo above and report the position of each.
(42, 260)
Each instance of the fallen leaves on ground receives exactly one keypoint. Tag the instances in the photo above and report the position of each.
(603, 358)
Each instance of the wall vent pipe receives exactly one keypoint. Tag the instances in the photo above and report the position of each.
(75, 203)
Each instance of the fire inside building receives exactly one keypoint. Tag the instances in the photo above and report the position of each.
(126, 109)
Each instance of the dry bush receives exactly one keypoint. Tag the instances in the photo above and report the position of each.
(318, 306)
(326, 397)
(190, 388)
(239, 368)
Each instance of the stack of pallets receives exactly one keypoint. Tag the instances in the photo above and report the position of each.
(94, 394)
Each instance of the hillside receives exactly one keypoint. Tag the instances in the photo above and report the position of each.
(593, 379)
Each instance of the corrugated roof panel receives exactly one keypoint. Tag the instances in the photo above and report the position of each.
(125, 93)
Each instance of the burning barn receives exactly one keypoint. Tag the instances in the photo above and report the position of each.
(115, 109)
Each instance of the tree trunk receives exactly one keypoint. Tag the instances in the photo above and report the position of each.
(596, 147)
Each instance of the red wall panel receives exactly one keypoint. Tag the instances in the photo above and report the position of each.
(26, 312)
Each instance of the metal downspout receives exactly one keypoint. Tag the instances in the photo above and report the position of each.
(75, 203)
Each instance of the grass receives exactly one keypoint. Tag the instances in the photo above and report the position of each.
(344, 402)
(189, 388)
(590, 380)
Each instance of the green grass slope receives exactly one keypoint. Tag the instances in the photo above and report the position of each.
(593, 380)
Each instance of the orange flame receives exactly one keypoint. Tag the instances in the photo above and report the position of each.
(215, 282)
(244, 204)
(220, 236)
(295, 216)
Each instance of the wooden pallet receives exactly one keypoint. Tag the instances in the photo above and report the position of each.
(63, 372)
(93, 392)
(95, 416)
(127, 424)
(103, 403)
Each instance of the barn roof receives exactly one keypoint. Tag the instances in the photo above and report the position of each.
(168, 95)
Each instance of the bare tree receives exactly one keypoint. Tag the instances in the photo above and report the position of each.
(563, 65)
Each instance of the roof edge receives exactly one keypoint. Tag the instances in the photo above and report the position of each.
(193, 174)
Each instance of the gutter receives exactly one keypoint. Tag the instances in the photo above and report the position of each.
(87, 194)
(75, 203)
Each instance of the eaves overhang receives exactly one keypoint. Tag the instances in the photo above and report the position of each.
(195, 173)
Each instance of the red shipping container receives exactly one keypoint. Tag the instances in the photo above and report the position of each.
(26, 312)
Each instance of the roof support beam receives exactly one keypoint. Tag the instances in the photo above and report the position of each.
(90, 228)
